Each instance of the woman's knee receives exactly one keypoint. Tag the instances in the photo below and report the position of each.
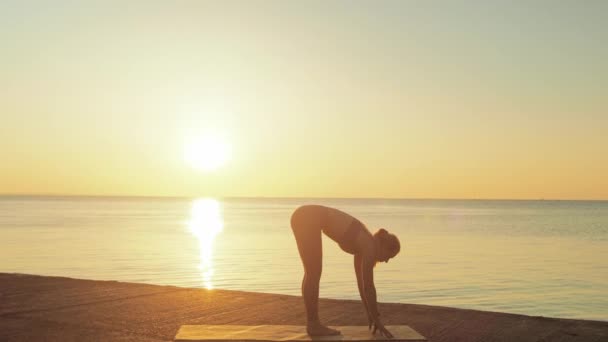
(313, 275)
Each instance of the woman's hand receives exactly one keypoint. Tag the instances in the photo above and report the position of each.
(370, 320)
(378, 326)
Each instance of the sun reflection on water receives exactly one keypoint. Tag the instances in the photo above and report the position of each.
(205, 224)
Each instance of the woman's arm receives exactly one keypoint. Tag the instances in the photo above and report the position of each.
(369, 289)
(358, 272)
(368, 262)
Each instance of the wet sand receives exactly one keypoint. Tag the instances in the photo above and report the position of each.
(38, 308)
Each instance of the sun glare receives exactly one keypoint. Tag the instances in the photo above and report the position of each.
(207, 153)
(205, 224)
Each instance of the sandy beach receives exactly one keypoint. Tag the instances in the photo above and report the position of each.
(37, 308)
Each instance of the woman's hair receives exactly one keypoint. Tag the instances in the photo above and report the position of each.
(389, 241)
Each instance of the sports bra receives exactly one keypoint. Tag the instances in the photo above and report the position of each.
(349, 238)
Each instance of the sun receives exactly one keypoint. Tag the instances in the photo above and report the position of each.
(207, 153)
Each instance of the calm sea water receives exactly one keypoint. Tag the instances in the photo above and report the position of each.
(532, 257)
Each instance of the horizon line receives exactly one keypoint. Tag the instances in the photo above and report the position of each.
(294, 197)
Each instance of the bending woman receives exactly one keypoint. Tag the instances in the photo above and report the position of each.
(307, 223)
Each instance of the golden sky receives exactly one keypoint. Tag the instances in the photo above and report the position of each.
(315, 99)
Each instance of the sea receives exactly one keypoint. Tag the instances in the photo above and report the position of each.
(537, 257)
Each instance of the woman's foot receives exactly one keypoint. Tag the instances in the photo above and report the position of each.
(318, 329)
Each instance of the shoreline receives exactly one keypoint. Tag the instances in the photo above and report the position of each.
(52, 308)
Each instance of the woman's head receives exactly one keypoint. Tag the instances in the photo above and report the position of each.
(387, 245)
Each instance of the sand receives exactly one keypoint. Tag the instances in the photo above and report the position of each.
(37, 308)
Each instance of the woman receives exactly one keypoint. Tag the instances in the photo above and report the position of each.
(307, 223)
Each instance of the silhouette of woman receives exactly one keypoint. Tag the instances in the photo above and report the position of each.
(307, 223)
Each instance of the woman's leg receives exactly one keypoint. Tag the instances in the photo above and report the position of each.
(306, 226)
